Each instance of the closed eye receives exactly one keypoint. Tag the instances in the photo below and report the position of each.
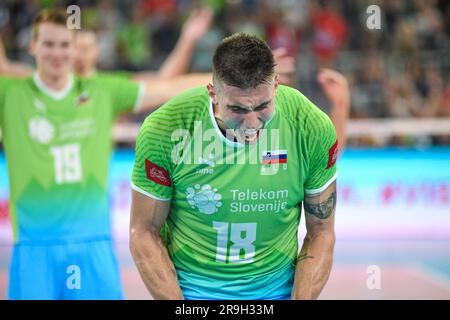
(237, 109)
(241, 110)
(261, 106)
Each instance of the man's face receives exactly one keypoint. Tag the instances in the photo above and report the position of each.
(86, 52)
(53, 49)
(245, 112)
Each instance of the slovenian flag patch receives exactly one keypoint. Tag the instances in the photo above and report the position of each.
(274, 156)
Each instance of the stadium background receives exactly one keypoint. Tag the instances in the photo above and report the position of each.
(393, 216)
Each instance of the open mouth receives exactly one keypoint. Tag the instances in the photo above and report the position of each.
(250, 136)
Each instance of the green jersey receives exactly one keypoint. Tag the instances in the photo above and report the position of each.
(235, 208)
(58, 146)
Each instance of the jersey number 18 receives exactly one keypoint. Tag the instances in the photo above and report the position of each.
(242, 236)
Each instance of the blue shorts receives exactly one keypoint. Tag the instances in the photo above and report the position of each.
(70, 271)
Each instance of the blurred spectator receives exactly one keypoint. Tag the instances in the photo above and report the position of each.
(405, 41)
(444, 110)
(369, 88)
(428, 24)
(330, 33)
(139, 34)
(134, 41)
(417, 92)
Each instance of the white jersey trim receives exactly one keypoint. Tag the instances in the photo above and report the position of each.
(324, 187)
(140, 98)
(55, 94)
(216, 127)
(145, 193)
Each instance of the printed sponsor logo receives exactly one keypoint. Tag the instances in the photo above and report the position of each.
(258, 200)
(39, 105)
(332, 155)
(157, 174)
(204, 198)
(209, 162)
(41, 130)
(82, 99)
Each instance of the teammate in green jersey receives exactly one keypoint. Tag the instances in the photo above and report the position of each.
(56, 132)
(228, 167)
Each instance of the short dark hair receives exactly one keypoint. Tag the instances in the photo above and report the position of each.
(243, 61)
(52, 15)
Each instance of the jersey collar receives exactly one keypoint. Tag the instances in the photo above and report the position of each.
(55, 94)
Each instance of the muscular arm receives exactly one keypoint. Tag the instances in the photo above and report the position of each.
(148, 251)
(193, 30)
(177, 63)
(316, 256)
(158, 91)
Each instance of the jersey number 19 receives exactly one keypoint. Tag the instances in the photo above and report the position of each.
(67, 163)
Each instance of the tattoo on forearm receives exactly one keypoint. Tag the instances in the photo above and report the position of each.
(323, 209)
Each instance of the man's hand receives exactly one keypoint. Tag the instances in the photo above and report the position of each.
(335, 86)
(337, 90)
(285, 65)
(197, 24)
(13, 69)
(177, 63)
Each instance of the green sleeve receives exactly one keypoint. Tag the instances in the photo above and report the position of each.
(4, 83)
(125, 93)
(322, 154)
(153, 165)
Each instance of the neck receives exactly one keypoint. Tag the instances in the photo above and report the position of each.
(56, 83)
(219, 121)
(87, 73)
(227, 132)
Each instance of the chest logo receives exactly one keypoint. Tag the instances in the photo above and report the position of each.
(39, 105)
(82, 99)
(208, 162)
(205, 199)
(41, 130)
(271, 161)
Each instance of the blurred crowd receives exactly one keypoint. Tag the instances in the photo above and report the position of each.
(398, 70)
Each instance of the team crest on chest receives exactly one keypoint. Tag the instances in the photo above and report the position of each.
(204, 198)
(41, 130)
